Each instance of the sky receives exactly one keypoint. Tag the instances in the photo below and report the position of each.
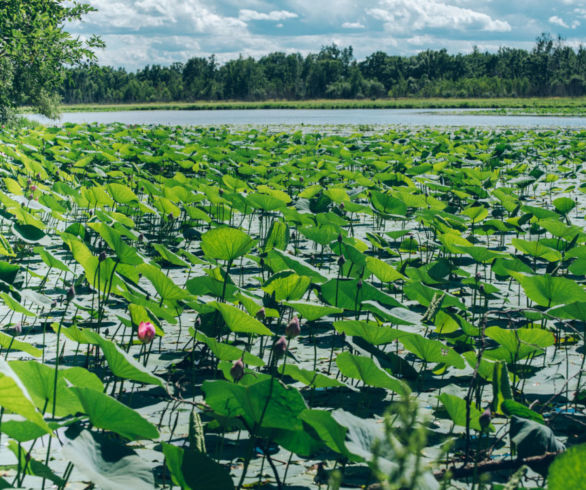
(143, 32)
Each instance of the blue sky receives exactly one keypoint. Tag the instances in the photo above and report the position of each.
(141, 32)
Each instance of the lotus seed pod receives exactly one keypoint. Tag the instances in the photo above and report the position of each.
(261, 314)
(146, 332)
(70, 293)
(102, 256)
(237, 370)
(293, 328)
(341, 260)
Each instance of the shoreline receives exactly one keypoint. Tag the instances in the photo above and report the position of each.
(543, 106)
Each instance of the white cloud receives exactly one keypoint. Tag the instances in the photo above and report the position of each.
(191, 16)
(276, 15)
(406, 15)
(140, 32)
(352, 25)
(554, 19)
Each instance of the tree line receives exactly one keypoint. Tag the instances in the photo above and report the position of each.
(551, 68)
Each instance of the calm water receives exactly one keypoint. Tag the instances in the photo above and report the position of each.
(321, 117)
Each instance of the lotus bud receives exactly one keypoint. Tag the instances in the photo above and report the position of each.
(54, 304)
(146, 332)
(30, 197)
(341, 260)
(70, 293)
(340, 238)
(102, 256)
(38, 176)
(237, 370)
(359, 284)
(33, 188)
(141, 237)
(293, 328)
(29, 182)
(170, 216)
(18, 327)
(478, 276)
(342, 206)
(261, 262)
(261, 314)
(280, 347)
(198, 321)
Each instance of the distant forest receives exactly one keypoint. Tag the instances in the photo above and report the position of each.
(551, 68)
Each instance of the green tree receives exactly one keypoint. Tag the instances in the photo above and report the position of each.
(35, 48)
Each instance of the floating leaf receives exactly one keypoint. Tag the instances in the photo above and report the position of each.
(456, 408)
(287, 286)
(310, 378)
(364, 369)
(105, 462)
(548, 291)
(239, 321)
(250, 403)
(194, 470)
(311, 311)
(432, 350)
(226, 243)
(107, 413)
(533, 438)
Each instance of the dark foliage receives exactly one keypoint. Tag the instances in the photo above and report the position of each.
(551, 68)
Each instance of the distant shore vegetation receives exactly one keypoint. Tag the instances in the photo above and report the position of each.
(552, 68)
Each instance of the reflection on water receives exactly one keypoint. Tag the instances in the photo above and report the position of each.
(321, 117)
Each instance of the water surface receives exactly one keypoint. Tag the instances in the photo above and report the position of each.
(321, 117)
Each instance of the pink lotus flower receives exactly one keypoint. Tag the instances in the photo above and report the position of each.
(146, 332)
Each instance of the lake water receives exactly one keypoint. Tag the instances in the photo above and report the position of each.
(321, 117)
